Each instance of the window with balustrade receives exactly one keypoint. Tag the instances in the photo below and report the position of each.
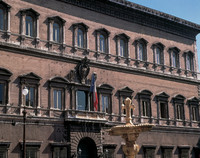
(4, 16)
(158, 53)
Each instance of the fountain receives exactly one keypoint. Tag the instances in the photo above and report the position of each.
(129, 132)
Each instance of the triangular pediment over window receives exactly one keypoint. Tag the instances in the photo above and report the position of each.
(179, 96)
(59, 80)
(146, 92)
(103, 31)
(5, 5)
(126, 90)
(31, 75)
(30, 10)
(106, 86)
(5, 72)
(193, 100)
(163, 95)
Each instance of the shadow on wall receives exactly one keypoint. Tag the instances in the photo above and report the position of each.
(106, 20)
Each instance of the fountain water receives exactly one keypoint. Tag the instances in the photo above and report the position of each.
(129, 132)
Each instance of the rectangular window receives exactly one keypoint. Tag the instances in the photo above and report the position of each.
(179, 112)
(82, 100)
(57, 99)
(122, 48)
(141, 52)
(188, 62)
(145, 108)
(1, 19)
(194, 113)
(60, 152)
(30, 97)
(31, 152)
(149, 153)
(174, 59)
(163, 110)
(2, 93)
(166, 153)
(105, 103)
(3, 152)
(158, 56)
(183, 153)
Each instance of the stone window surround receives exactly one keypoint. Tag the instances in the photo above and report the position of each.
(5, 146)
(145, 95)
(106, 35)
(191, 54)
(84, 28)
(5, 79)
(35, 15)
(61, 84)
(6, 8)
(61, 22)
(178, 100)
(125, 38)
(32, 80)
(177, 51)
(193, 102)
(162, 98)
(106, 90)
(144, 43)
(161, 47)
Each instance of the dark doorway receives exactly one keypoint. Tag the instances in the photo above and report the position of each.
(87, 148)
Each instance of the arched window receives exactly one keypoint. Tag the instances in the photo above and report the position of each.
(80, 38)
(102, 43)
(29, 26)
(2, 19)
(56, 32)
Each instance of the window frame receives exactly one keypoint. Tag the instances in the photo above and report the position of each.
(105, 90)
(191, 61)
(61, 25)
(178, 102)
(193, 103)
(35, 16)
(30, 80)
(161, 47)
(6, 16)
(141, 42)
(105, 33)
(84, 28)
(122, 37)
(5, 79)
(162, 98)
(174, 53)
(61, 84)
(145, 96)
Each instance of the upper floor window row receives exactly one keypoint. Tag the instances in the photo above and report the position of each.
(56, 33)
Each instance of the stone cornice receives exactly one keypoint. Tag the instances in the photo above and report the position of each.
(141, 15)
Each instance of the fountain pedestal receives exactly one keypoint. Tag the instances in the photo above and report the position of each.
(129, 132)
